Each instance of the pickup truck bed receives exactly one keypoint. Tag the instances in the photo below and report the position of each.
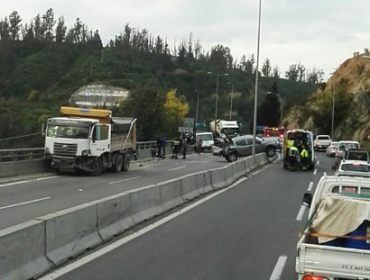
(332, 262)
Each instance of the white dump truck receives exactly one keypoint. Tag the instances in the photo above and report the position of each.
(335, 242)
(90, 140)
(222, 127)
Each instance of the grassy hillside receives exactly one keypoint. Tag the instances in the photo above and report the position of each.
(39, 72)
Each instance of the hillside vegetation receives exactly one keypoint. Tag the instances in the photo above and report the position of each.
(352, 103)
(42, 63)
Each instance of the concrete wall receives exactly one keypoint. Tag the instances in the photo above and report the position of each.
(32, 248)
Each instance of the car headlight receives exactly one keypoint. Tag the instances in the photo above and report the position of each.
(85, 152)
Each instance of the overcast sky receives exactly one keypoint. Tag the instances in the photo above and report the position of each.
(319, 33)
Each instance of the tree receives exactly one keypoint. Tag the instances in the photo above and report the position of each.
(313, 77)
(61, 30)
(15, 25)
(301, 72)
(274, 87)
(276, 72)
(150, 120)
(175, 109)
(266, 68)
(48, 23)
(292, 73)
(268, 112)
(4, 29)
(249, 65)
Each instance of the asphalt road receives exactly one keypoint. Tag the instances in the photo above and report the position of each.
(247, 232)
(30, 198)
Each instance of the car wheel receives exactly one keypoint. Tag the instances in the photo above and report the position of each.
(270, 151)
(232, 157)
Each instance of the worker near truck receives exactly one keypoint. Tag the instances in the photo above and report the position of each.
(304, 157)
(290, 143)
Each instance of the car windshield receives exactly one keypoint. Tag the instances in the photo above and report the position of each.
(205, 137)
(66, 131)
(355, 167)
(354, 155)
(323, 138)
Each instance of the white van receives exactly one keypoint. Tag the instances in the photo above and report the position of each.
(347, 144)
(207, 140)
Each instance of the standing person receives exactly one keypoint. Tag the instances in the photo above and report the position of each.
(184, 146)
(199, 145)
(164, 144)
(176, 147)
(159, 146)
(304, 157)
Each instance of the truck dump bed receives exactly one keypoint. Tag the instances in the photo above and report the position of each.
(123, 134)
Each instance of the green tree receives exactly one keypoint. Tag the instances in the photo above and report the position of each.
(266, 68)
(268, 112)
(292, 73)
(15, 25)
(61, 30)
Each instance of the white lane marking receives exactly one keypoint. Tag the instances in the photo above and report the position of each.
(315, 172)
(125, 180)
(310, 186)
(14, 183)
(84, 260)
(279, 267)
(300, 213)
(24, 203)
(318, 162)
(177, 168)
(46, 178)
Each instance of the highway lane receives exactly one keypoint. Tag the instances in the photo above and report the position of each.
(25, 200)
(247, 232)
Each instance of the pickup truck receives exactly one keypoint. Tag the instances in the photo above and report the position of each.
(316, 261)
(322, 142)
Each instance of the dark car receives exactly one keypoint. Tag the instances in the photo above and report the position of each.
(242, 146)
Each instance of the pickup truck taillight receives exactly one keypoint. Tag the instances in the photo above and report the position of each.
(314, 277)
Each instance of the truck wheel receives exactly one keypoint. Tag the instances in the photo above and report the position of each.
(98, 167)
(118, 163)
(126, 162)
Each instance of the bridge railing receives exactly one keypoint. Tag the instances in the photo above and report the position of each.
(7, 155)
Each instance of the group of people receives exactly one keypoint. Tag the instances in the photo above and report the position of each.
(297, 151)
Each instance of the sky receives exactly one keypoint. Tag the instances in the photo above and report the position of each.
(317, 33)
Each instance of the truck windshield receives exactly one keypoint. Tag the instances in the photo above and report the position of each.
(205, 137)
(63, 131)
(229, 130)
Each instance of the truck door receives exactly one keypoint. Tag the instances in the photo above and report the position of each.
(101, 139)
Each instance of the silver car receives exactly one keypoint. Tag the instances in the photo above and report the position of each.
(332, 149)
(242, 146)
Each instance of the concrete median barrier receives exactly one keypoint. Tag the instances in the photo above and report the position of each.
(239, 169)
(18, 168)
(22, 251)
(218, 176)
(189, 188)
(114, 215)
(204, 182)
(248, 164)
(145, 203)
(229, 174)
(171, 194)
(70, 232)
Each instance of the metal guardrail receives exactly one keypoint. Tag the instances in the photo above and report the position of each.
(7, 155)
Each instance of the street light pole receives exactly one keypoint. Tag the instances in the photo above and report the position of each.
(333, 109)
(232, 97)
(216, 99)
(256, 86)
(196, 115)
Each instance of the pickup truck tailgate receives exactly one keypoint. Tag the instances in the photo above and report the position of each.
(333, 261)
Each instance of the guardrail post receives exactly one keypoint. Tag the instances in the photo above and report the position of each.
(31, 155)
(15, 156)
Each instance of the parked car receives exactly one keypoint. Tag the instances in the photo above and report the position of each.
(241, 146)
(332, 149)
(321, 142)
